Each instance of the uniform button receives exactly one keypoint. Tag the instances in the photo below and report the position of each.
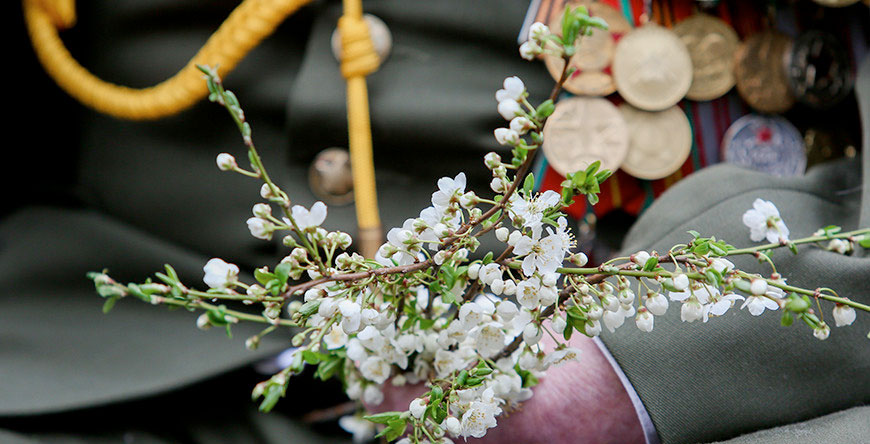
(381, 38)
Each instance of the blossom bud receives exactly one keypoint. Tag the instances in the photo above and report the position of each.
(417, 407)
(593, 328)
(529, 49)
(579, 259)
(640, 258)
(691, 310)
(549, 279)
(559, 324)
(514, 238)
(502, 234)
(289, 241)
(595, 312)
(497, 286)
(451, 423)
(226, 162)
(262, 210)
(266, 192)
(202, 322)
(625, 296)
(644, 320)
(497, 185)
(681, 282)
(440, 257)
(510, 288)
(610, 303)
(509, 109)
(539, 31)
(506, 136)
(532, 334)
(492, 160)
(844, 315)
(252, 343)
(520, 125)
(507, 310)
(468, 200)
(260, 228)
(758, 287)
(822, 331)
(473, 270)
(656, 303)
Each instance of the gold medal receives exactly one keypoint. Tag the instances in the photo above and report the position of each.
(711, 43)
(594, 54)
(759, 68)
(660, 142)
(652, 68)
(583, 130)
(330, 176)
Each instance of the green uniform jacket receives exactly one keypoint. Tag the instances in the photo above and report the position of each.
(131, 196)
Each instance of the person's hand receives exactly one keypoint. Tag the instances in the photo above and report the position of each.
(577, 402)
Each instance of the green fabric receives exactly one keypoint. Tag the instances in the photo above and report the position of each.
(847, 427)
(742, 373)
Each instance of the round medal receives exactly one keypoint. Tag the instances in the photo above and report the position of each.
(660, 141)
(711, 43)
(330, 176)
(594, 55)
(819, 73)
(759, 68)
(765, 143)
(652, 68)
(583, 130)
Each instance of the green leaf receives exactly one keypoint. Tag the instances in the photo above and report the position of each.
(831, 230)
(426, 324)
(713, 277)
(787, 319)
(283, 272)
(593, 167)
(793, 247)
(651, 264)
(329, 367)
(593, 198)
(529, 183)
(309, 308)
(743, 286)
(110, 302)
(701, 248)
(694, 234)
(797, 304)
(383, 418)
(312, 357)
(544, 110)
(263, 276)
(603, 175)
(865, 242)
(273, 393)
(394, 430)
(488, 258)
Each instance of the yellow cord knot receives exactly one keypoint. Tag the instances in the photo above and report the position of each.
(61, 12)
(359, 57)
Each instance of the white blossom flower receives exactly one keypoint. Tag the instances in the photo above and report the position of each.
(562, 356)
(452, 425)
(363, 430)
(219, 274)
(720, 306)
(306, 219)
(513, 90)
(506, 136)
(844, 315)
(226, 162)
(764, 221)
(722, 266)
(336, 338)
(529, 211)
(375, 369)
(477, 419)
(757, 304)
(614, 319)
(521, 124)
(559, 324)
(507, 310)
(260, 228)
(758, 287)
(640, 258)
(532, 334)
(489, 339)
(528, 293)
(593, 328)
(372, 395)
(449, 191)
(489, 273)
(502, 233)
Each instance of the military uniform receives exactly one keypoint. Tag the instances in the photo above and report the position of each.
(146, 193)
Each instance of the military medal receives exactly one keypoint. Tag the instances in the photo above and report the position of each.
(765, 143)
(836, 3)
(583, 130)
(711, 43)
(660, 141)
(330, 176)
(652, 68)
(823, 146)
(759, 67)
(594, 54)
(819, 73)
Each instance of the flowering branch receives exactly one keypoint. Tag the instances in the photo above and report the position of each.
(423, 312)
